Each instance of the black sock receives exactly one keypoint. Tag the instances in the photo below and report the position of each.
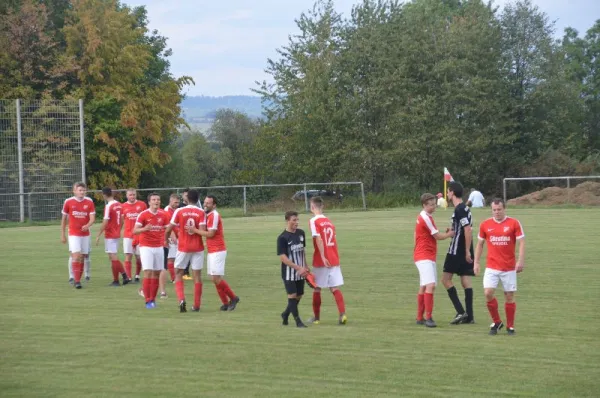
(469, 303)
(455, 300)
(293, 307)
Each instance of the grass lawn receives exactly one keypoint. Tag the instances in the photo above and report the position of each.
(101, 342)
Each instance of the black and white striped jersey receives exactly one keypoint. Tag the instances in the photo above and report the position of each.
(292, 244)
(461, 218)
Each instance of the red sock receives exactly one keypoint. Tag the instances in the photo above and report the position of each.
(420, 306)
(115, 271)
(222, 294)
(171, 269)
(154, 289)
(428, 302)
(510, 309)
(197, 294)
(120, 267)
(77, 271)
(179, 290)
(339, 300)
(493, 309)
(317, 304)
(128, 269)
(146, 289)
(226, 289)
(138, 266)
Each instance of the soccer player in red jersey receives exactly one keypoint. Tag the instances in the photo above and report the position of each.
(501, 234)
(150, 226)
(425, 255)
(326, 262)
(190, 249)
(131, 209)
(111, 227)
(217, 252)
(80, 213)
(170, 248)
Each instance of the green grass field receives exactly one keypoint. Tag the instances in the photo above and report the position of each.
(101, 342)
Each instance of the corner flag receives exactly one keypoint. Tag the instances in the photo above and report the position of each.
(447, 177)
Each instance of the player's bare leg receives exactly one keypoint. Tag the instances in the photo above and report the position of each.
(77, 264)
(197, 275)
(510, 306)
(339, 301)
(162, 282)
(467, 285)
(492, 305)
(461, 314)
(180, 289)
(316, 304)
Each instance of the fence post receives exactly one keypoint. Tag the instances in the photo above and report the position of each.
(305, 199)
(29, 208)
(82, 140)
(20, 157)
(244, 200)
(568, 190)
(504, 190)
(362, 192)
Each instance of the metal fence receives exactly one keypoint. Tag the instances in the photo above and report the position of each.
(41, 150)
(239, 199)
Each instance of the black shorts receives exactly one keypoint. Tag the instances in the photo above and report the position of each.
(294, 287)
(166, 251)
(458, 265)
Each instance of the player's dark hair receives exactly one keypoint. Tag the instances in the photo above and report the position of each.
(317, 201)
(193, 196)
(186, 190)
(426, 197)
(80, 184)
(151, 195)
(456, 188)
(499, 201)
(290, 214)
(213, 198)
(106, 191)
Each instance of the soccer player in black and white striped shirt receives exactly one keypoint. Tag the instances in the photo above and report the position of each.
(290, 249)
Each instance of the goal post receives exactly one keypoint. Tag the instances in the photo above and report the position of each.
(566, 183)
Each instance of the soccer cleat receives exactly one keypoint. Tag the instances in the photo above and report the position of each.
(430, 323)
(78, 285)
(313, 320)
(195, 309)
(71, 281)
(420, 322)
(141, 293)
(495, 327)
(163, 295)
(224, 307)
(126, 279)
(284, 317)
(87, 278)
(510, 331)
(459, 319)
(137, 279)
(182, 307)
(187, 277)
(115, 284)
(343, 319)
(233, 303)
(299, 323)
(149, 305)
(153, 304)
(468, 321)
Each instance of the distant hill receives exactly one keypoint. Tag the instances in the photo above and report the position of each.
(200, 111)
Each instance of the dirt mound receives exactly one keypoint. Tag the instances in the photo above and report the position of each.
(586, 194)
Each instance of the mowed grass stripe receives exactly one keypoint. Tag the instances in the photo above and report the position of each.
(101, 341)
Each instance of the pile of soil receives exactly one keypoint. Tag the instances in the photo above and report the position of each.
(586, 194)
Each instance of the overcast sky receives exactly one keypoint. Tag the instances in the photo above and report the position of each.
(224, 44)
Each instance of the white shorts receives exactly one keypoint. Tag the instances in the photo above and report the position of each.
(153, 258)
(172, 250)
(79, 244)
(111, 246)
(328, 277)
(128, 247)
(216, 263)
(427, 272)
(195, 259)
(508, 279)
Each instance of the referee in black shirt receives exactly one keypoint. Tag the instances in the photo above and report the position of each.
(290, 249)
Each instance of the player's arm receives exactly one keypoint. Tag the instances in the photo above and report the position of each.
(321, 248)
(63, 226)
(284, 259)
(521, 259)
(102, 229)
(468, 241)
(139, 228)
(478, 253)
(443, 235)
(168, 232)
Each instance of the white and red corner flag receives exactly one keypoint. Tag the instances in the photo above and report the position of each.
(447, 175)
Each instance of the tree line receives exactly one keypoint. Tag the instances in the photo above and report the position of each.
(389, 95)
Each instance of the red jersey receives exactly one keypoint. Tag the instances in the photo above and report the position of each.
(170, 211)
(217, 242)
(112, 213)
(425, 243)
(131, 211)
(501, 237)
(158, 222)
(322, 226)
(79, 212)
(192, 216)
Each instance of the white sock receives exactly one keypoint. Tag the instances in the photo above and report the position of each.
(70, 265)
(87, 267)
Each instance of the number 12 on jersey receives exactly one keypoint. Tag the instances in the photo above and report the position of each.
(329, 236)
